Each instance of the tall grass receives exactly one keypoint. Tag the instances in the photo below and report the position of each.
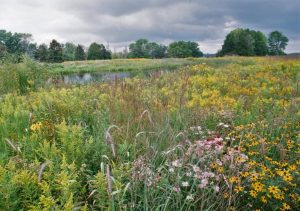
(207, 137)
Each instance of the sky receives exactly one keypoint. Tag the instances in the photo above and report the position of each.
(119, 22)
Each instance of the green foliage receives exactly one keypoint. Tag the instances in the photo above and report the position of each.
(244, 42)
(79, 53)
(98, 51)
(142, 48)
(21, 78)
(15, 43)
(277, 43)
(69, 50)
(183, 49)
(55, 52)
(41, 54)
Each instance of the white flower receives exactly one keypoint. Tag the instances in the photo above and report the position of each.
(190, 197)
(185, 184)
(171, 170)
(196, 168)
(176, 163)
(189, 174)
(217, 188)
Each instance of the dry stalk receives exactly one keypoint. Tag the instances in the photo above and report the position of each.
(108, 180)
(17, 149)
(40, 174)
(109, 139)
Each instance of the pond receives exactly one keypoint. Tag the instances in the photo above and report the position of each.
(86, 78)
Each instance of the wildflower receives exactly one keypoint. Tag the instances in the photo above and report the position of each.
(244, 174)
(196, 169)
(285, 206)
(203, 184)
(292, 167)
(273, 189)
(216, 188)
(257, 186)
(36, 126)
(190, 197)
(225, 195)
(220, 169)
(264, 199)
(171, 170)
(233, 179)
(176, 189)
(253, 193)
(176, 163)
(185, 184)
(213, 165)
(287, 178)
(238, 189)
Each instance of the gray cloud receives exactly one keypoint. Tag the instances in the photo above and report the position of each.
(120, 22)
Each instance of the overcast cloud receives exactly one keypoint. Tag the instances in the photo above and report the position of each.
(119, 22)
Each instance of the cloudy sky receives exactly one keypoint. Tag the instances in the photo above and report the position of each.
(119, 22)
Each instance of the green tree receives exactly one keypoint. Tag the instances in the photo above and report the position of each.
(69, 50)
(277, 43)
(156, 51)
(30, 51)
(79, 53)
(260, 43)
(139, 49)
(55, 53)
(3, 50)
(182, 49)
(41, 53)
(239, 42)
(98, 51)
(15, 43)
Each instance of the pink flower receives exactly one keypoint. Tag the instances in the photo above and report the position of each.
(203, 184)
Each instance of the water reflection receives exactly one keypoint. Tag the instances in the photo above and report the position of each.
(85, 78)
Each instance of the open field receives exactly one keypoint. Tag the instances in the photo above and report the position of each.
(135, 65)
(220, 134)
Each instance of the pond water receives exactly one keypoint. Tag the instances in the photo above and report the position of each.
(86, 78)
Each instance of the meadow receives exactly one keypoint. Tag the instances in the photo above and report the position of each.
(212, 134)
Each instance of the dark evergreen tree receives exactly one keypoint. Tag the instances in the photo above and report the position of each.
(41, 54)
(79, 53)
(55, 54)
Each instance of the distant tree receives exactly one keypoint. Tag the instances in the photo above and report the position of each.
(277, 43)
(98, 51)
(31, 50)
(69, 50)
(15, 43)
(3, 50)
(139, 49)
(156, 51)
(244, 42)
(55, 54)
(41, 53)
(79, 53)
(182, 49)
(239, 42)
(260, 43)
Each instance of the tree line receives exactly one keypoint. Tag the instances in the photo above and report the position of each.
(243, 42)
(246, 42)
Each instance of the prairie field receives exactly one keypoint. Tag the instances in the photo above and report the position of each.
(208, 134)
